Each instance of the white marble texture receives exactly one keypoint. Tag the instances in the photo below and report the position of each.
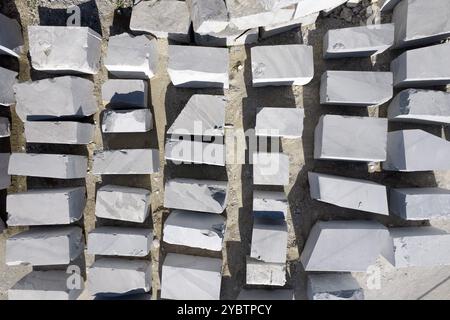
(8, 79)
(280, 122)
(59, 132)
(127, 121)
(126, 161)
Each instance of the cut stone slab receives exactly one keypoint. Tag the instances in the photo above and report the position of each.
(132, 57)
(349, 193)
(420, 247)
(8, 79)
(421, 22)
(118, 276)
(203, 115)
(269, 240)
(208, 16)
(4, 128)
(46, 206)
(282, 65)
(127, 121)
(412, 105)
(195, 229)
(206, 67)
(274, 29)
(344, 246)
(387, 5)
(270, 169)
(5, 179)
(11, 40)
(420, 203)
(270, 204)
(58, 166)
(55, 98)
(356, 88)
(59, 132)
(191, 277)
(228, 38)
(65, 49)
(416, 150)
(361, 41)
(122, 203)
(280, 122)
(126, 161)
(197, 152)
(44, 246)
(163, 19)
(44, 285)
(266, 294)
(333, 286)
(422, 67)
(125, 93)
(264, 273)
(351, 138)
(196, 195)
(120, 241)
(306, 7)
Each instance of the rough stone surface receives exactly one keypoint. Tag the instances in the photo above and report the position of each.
(198, 152)
(125, 93)
(127, 121)
(270, 204)
(282, 65)
(43, 246)
(269, 240)
(196, 195)
(280, 122)
(349, 193)
(8, 79)
(307, 7)
(191, 277)
(333, 286)
(122, 203)
(270, 169)
(5, 179)
(55, 98)
(64, 49)
(11, 39)
(265, 273)
(132, 57)
(228, 38)
(126, 161)
(59, 132)
(4, 128)
(266, 294)
(208, 16)
(205, 68)
(46, 206)
(59, 166)
(194, 229)
(350, 138)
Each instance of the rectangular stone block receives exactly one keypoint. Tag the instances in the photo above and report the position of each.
(181, 274)
(416, 150)
(356, 88)
(61, 49)
(120, 241)
(333, 286)
(163, 19)
(4, 128)
(119, 276)
(127, 121)
(282, 65)
(5, 179)
(349, 193)
(8, 79)
(122, 203)
(44, 285)
(422, 67)
(126, 161)
(387, 5)
(361, 41)
(306, 7)
(229, 37)
(58, 166)
(420, 203)
(208, 16)
(11, 40)
(266, 294)
(270, 169)
(55, 98)
(46, 206)
(265, 273)
(205, 68)
(132, 57)
(280, 122)
(44, 246)
(350, 138)
(125, 93)
(59, 132)
(274, 29)
(194, 229)
(270, 204)
(269, 240)
(197, 152)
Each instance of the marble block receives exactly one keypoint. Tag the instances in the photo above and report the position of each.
(270, 169)
(265, 273)
(280, 122)
(11, 39)
(126, 161)
(59, 132)
(269, 240)
(119, 93)
(8, 79)
(5, 179)
(186, 151)
(333, 286)
(127, 121)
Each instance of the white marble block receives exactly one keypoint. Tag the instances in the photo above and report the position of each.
(132, 57)
(122, 203)
(277, 28)
(387, 5)
(270, 204)
(206, 67)
(8, 79)
(333, 286)
(5, 179)
(126, 161)
(270, 169)
(120, 241)
(265, 273)
(282, 65)
(196, 195)
(191, 277)
(61, 49)
(5, 131)
(11, 39)
(55, 98)
(280, 122)
(349, 193)
(59, 132)
(127, 121)
(306, 7)
(229, 37)
(44, 246)
(46, 206)
(208, 16)
(197, 152)
(194, 229)
(416, 150)
(350, 138)
(119, 93)
(269, 240)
